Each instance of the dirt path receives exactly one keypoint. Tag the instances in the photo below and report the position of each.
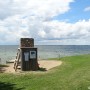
(46, 64)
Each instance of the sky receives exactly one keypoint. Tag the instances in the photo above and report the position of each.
(49, 22)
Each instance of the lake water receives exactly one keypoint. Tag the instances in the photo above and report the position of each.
(8, 52)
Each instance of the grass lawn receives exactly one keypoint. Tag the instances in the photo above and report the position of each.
(73, 74)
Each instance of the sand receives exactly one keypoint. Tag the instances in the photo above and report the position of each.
(44, 64)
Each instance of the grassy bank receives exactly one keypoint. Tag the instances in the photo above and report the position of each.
(73, 74)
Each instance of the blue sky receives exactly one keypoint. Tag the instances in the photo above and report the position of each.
(76, 12)
(49, 22)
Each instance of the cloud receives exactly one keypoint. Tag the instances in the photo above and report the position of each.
(63, 30)
(33, 18)
(57, 32)
(41, 8)
(45, 32)
(42, 33)
(87, 9)
(25, 18)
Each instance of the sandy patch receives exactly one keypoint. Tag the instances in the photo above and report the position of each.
(46, 64)
(49, 64)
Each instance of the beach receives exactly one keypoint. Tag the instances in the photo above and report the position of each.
(43, 64)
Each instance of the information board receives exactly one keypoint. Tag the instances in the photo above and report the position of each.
(32, 54)
(26, 56)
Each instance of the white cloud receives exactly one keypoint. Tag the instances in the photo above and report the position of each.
(42, 33)
(63, 30)
(31, 18)
(45, 32)
(25, 18)
(87, 9)
(40, 8)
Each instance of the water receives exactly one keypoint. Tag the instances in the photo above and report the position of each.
(8, 52)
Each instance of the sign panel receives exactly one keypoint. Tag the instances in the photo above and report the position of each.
(32, 54)
(26, 56)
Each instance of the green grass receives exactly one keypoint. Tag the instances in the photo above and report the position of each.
(73, 74)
